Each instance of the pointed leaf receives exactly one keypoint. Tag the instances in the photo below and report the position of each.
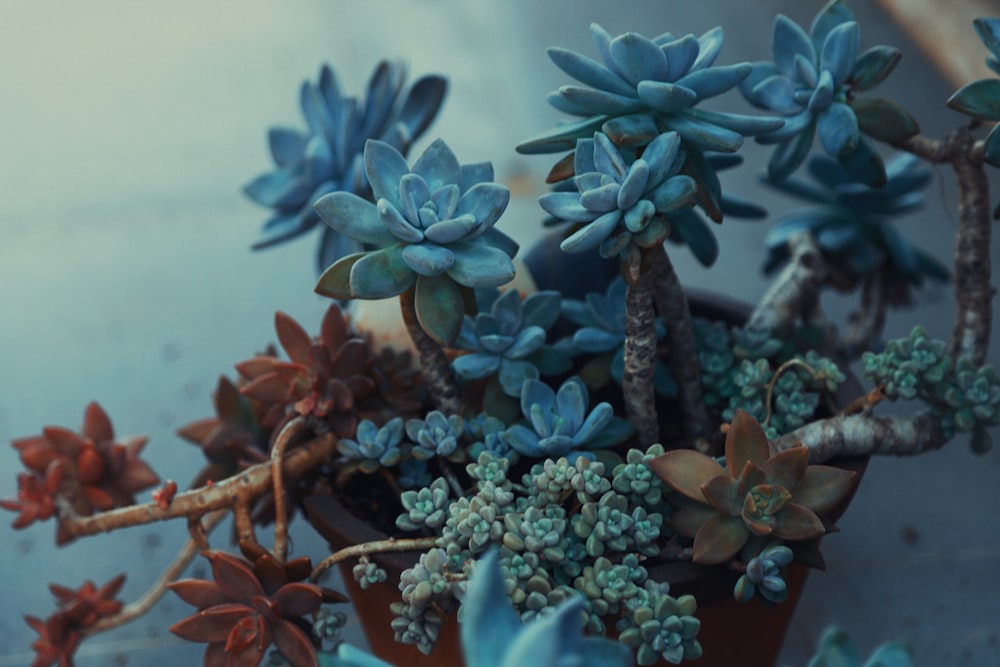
(199, 593)
(745, 441)
(720, 538)
(489, 625)
(687, 520)
(294, 644)
(354, 217)
(562, 137)
(822, 487)
(796, 522)
(884, 120)
(440, 307)
(686, 471)
(980, 99)
(722, 493)
(873, 66)
(589, 72)
(787, 468)
(212, 624)
(789, 40)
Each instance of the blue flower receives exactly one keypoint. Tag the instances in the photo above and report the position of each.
(327, 156)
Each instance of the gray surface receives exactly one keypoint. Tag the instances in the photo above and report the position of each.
(127, 130)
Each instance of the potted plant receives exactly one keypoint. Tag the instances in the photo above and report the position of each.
(598, 442)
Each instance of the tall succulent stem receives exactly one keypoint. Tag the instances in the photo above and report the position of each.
(433, 362)
(640, 358)
(973, 287)
(676, 314)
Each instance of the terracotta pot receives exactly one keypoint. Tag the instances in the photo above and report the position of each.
(749, 634)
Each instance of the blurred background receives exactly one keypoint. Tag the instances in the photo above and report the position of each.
(126, 133)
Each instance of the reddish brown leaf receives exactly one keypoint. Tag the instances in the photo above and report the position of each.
(293, 644)
(787, 468)
(252, 369)
(745, 441)
(199, 592)
(722, 493)
(335, 328)
(720, 538)
(97, 424)
(199, 431)
(90, 466)
(212, 624)
(234, 577)
(293, 338)
(796, 522)
(822, 487)
(63, 440)
(298, 599)
(686, 470)
(228, 402)
(270, 573)
(687, 520)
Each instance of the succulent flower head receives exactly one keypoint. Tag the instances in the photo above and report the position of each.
(327, 156)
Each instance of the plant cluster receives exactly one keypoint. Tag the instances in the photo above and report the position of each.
(500, 438)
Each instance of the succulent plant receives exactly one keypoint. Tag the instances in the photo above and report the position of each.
(36, 495)
(105, 472)
(327, 156)
(249, 606)
(60, 634)
(812, 82)
(493, 636)
(757, 493)
(489, 435)
(661, 626)
(850, 223)
(646, 87)
(558, 423)
(763, 575)
(436, 435)
(425, 507)
(508, 342)
(232, 440)
(621, 203)
(981, 99)
(836, 649)
(432, 229)
(324, 378)
(372, 446)
(367, 573)
(601, 332)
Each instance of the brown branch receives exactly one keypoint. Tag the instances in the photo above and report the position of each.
(369, 548)
(244, 488)
(640, 359)
(290, 431)
(676, 315)
(433, 362)
(139, 607)
(866, 435)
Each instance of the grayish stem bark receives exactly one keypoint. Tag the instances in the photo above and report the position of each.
(865, 435)
(433, 362)
(640, 360)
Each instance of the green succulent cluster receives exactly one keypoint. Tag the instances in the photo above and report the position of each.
(659, 626)
(563, 528)
(367, 573)
(763, 575)
(962, 396)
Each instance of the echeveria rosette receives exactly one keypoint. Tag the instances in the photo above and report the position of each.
(812, 82)
(327, 156)
(558, 423)
(851, 223)
(432, 229)
(508, 343)
(981, 98)
(619, 204)
(601, 332)
(755, 494)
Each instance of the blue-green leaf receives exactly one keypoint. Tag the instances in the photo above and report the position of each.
(589, 72)
(873, 66)
(884, 120)
(991, 150)
(980, 99)
(380, 274)
(440, 307)
(690, 228)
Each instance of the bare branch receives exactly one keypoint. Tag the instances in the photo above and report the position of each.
(369, 548)
(866, 435)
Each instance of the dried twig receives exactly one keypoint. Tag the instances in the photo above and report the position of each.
(369, 548)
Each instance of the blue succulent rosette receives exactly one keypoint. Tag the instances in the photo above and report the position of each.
(327, 156)
(558, 423)
(813, 81)
(850, 222)
(981, 98)
(431, 229)
(508, 342)
(645, 87)
(617, 203)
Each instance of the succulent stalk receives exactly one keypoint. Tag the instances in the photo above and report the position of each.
(640, 358)
(433, 362)
(674, 310)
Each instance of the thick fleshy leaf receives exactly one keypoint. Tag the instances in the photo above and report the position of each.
(714, 81)
(838, 129)
(822, 487)
(796, 522)
(789, 40)
(705, 135)
(354, 217)
(676, 192)
(709, 45)
(562, 137)
(745, 441)
(97, 424)
(335, 282)
(489, 624)
(589, 71)
(748, 126)
(514, 373)
(385, 167)
(293, 643)
(422, 104)
(664, 157)
(637, 58)
(440, 307)
(787, 468)
(720, 538)
(474, 366)
(286, 144)
(592, 234)
(631, 129)
(884, 120)
(686, 471)
(479, 263)
(988, 30)
(687, 520)
(298, 599)
(980, 99)
(840, 51)
(873, 66)
(437, 165)
(832, 15)
(865, 164)
(293, 338)
(281, 188)
(777, 93)
(722, 493)
(484, 201)
(599, 101)
(690, 229)
(212, 624)
(234, 577)
(666, 97)
(565, 206)
(550, 639)
(381, 274)
(428, 259)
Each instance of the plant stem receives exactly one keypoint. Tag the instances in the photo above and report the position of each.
(866, 435)
(136, 609)
(369, 548)
(973, 289)
(433, 362)
(288, 433)
(244, 487)
(640, 359)
(676, 315)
